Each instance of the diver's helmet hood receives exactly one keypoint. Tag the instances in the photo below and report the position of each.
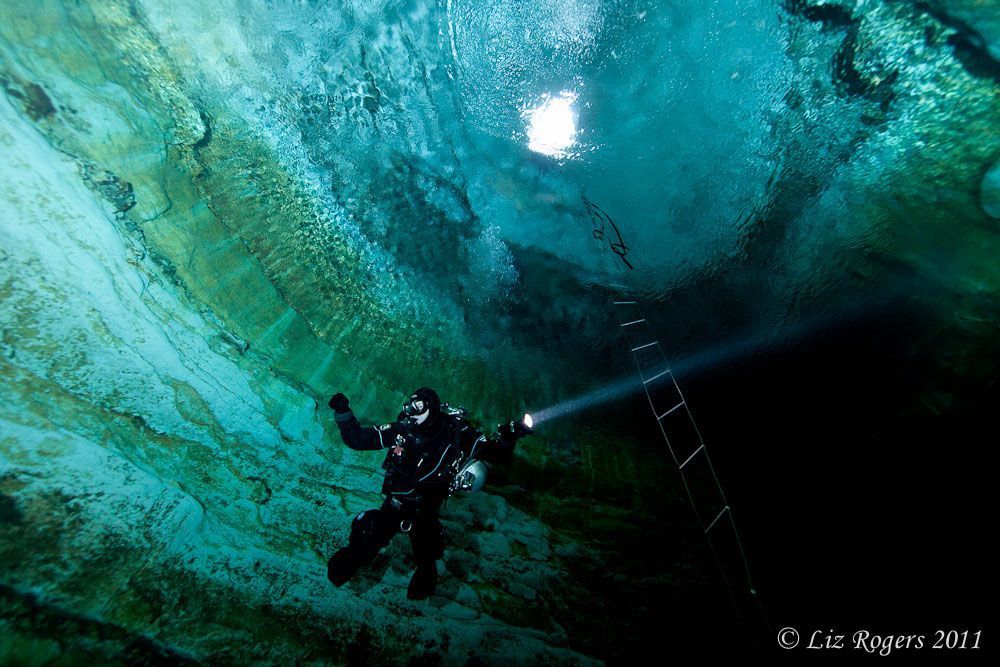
(423, 407)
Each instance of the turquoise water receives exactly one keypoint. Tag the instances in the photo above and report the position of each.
(215, 215)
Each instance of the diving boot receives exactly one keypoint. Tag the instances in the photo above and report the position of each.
(342, 567)
(424, 581)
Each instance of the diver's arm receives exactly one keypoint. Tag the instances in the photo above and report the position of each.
(472, 441)
(499, 447)
(355, 436)
(368, 438)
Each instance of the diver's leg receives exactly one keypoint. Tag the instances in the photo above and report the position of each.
(427, 538)
(371, 530)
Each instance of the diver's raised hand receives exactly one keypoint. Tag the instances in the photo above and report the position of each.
(340, 403)
(513, 430)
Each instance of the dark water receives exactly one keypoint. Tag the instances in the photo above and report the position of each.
(861, 504)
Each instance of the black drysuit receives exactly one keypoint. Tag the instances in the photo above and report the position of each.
(421, 464)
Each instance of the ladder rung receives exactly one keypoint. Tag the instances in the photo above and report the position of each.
(623, 303)
(669, 411)
(628, 324)
(643, 347)
(660, 374)
(717, 517)
(688, 460)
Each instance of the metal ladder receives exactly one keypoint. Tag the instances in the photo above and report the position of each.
(687, 447)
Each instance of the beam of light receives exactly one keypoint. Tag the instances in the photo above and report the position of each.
(552, 125)
(612, 391)
(724, 353)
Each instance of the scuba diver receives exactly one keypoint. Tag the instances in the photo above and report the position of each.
(432, 451)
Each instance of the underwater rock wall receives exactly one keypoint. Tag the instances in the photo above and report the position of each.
(160, 472)
(897, 212)
(161, 478)
(153, 472)
(216, 214)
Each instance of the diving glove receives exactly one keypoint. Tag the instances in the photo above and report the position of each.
(340, 403)
(513, 430)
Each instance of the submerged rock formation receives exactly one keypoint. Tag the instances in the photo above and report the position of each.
(217, 214)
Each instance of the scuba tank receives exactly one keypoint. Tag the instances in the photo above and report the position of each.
(470, 476)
